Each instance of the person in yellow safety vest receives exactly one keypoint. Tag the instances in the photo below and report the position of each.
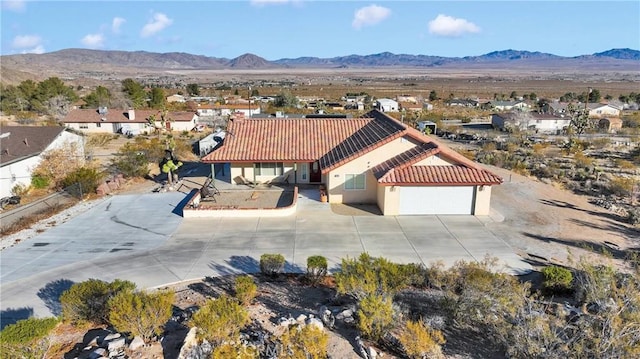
(169, 168)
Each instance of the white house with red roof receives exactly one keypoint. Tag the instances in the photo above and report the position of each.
(372, 159)
(105, 120)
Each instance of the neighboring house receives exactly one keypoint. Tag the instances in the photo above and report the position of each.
(127, 121)
(509, 105)
(386, 105)
(246, 108)
(599, 110)
(176, 98)
(427, 106)
(373, 159)
(22, 148)
(533, 121)
(462, 102)
(596, 110)
(410, 106)
(205, 110)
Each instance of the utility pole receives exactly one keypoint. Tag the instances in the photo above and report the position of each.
(249, 98)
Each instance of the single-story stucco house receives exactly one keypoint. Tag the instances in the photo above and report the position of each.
(22, 149)
(373, 159)
(105, 120)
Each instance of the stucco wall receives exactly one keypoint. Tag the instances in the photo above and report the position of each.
(289, 172)
(482, 205)
(336, 178)
(389, 200)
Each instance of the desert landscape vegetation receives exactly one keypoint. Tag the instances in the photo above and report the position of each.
(580, 304)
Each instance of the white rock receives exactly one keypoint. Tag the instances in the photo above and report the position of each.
(349, 320)
(190, 340)
(344, 314)
(116, 344)
(373, 354)
(136, 343)
(301, 318)
(111, 337)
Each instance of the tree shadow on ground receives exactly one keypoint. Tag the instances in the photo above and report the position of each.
(12, 315)
(51, 292)
(609, 225)
(175, 331)
(602, 214)
(598, 248)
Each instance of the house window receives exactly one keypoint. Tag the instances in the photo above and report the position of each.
(269, 168)
(98, 124)
(84, 126)
(304, 170)
(353, 181)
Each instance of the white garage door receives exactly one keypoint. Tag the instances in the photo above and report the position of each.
(436, 200)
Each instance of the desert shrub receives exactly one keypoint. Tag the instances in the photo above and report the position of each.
(367, 275)
(88, 301)
(375, 316)
(246, 289)
(220, 319)
(624, 164)
(235, 350)
(621, 186)
(582, 160)
(87, 178)
(633, 216)
(419, 341)
(511, 147)
(489, 147)
(26, 338)
(467, 153)
(26, 330)
(556, 279)
(99, 139)
(316, 268)
(272, 264)
(308, 342)
(141, 313)
(40, 182)
(58, 163)
(19, 189)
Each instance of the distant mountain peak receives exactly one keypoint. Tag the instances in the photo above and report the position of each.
(622, 54)
(249, 61)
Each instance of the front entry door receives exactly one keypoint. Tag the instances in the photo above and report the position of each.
(315, 176)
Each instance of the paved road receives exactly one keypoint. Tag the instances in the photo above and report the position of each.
(143, 239)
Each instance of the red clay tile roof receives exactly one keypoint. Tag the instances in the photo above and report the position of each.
(332, 141)
(439, 175)
(25, 141)
(121, 116)
(336, 141)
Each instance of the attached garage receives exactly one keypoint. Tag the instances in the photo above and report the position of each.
(416, 200)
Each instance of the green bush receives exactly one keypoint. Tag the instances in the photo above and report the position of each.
(308, 342)
(557, 279)
(27, 338)
(316, 268)
(27, 330)
(88, 179)
(221, 319)
(368, 275)
(272, 264)
(40, 182)
(140, 313)
(246, 289)
(88, 301)
(419, 341)
(375, 316)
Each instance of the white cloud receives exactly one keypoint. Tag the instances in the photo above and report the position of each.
(93, 41)
(449, 26)
(14, 5)
(157, 24)
(116, 23)
(36, 50)
(24, 41)
(369, 15)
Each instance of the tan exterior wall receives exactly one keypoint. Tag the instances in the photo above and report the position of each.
(389, 200)
(482, 205)
(289, 171)
(363, 164)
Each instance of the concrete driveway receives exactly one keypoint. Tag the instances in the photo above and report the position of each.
(142, 238)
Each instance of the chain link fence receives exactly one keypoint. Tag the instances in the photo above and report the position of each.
(64, 198)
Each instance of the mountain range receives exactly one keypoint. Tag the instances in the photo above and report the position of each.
(83, 59)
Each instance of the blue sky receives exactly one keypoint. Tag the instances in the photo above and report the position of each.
(276, 29)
